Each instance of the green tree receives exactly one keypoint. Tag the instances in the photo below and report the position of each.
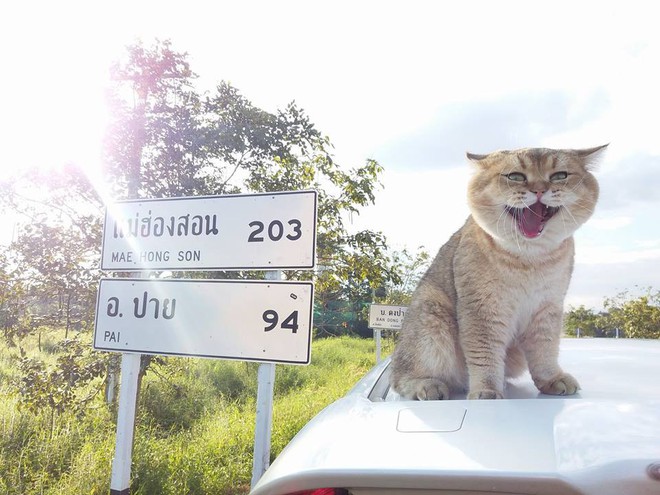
(13, 300)
(61, 268)
(348, 281)
(410, 266)
(343, 306)
(582, 318)
(55, 254)
(165, 139)
(637, 317)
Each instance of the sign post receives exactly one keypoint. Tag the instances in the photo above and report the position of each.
(264, 420)
(385, 317)
(269, 321)
(120, 478)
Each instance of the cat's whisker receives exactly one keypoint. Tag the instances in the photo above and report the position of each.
(571, 215)
(588, 208)
(501, 218)
(583, 203)
(511, 227)
(563, 220)
(578, 184)
(514, 229)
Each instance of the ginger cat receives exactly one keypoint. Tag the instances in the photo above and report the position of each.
(491, 303)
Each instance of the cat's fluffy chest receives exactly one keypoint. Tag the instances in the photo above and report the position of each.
(513, 287)
(535, 297)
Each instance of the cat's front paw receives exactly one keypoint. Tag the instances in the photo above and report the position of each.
(564, 384)
(485, 394)
(431, 389)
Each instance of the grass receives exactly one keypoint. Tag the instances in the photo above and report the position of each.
(194, 428)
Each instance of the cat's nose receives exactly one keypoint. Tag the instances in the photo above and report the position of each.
(539, 194)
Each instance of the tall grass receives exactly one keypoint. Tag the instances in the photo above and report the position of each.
(194, 429)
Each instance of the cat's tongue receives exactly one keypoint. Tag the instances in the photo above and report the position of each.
(530, 222)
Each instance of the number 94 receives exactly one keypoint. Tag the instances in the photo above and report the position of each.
(272, 318)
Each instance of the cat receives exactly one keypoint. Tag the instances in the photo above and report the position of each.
(491, 303)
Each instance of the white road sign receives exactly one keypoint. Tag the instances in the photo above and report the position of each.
(386, 317)
(234, 232)
(253, 320)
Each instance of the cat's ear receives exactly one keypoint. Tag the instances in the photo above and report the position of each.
(589, 156)
(590, 151)
(481, 162)
(474, 157)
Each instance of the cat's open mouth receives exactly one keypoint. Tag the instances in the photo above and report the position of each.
(532, 219)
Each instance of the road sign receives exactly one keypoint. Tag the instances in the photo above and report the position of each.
(233, 232)
(253, 320)
(386, 317)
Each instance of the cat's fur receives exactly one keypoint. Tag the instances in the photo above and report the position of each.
(491, 303)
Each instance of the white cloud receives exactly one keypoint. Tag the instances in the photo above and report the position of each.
(419, 208)
(652, 243)
(514, 120)
(607, 255)
(610, 223)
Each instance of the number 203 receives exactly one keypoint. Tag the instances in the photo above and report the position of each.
(275, 230)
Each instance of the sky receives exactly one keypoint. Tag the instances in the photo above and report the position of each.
(412, 84)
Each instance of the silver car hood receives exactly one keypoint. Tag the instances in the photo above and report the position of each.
(604, 440)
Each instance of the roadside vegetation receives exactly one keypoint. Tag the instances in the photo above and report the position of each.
(623, 316)
(194, 427)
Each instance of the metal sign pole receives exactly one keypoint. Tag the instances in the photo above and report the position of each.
(120, 479)
(264, 420)
(377, 337)
(385, 317)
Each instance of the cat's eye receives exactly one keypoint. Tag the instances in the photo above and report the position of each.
(557, 176)
(516, 176)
